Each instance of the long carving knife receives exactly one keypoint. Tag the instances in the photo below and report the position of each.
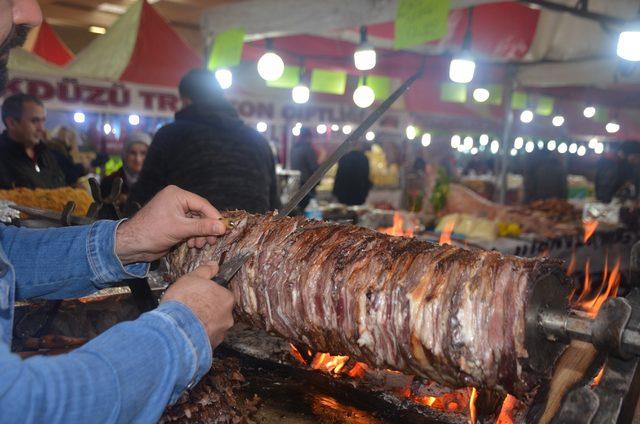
(346, 146)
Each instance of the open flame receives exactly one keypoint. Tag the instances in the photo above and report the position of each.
(445, 236)
(398, 227)
(597, 378)
(472, 405)
(572, 263)
(589, 229)
(328, 363)
(590, 300)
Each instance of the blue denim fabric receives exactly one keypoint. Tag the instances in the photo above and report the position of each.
(127, 374)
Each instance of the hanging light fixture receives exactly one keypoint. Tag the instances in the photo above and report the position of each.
(364, 57)
(612, 127)
(364, 96)
(300, 93)
(481, 95)
(270, 65)
(629, 45)
(462, 66)
(224, 78)
(557, 121)
(589, 111)
(411, 132)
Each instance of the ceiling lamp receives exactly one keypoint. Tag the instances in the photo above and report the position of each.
(426, 139)
(529, 146)
(224, 78)
(495, 146)
(526, 116)
(79, 117)
(364, 57)
(582, 151)
(589, 112)
(612, 127)
(364, 96)
(518, 143)
(629, 45)
(557, 121)
(411, 132)
(551, 145)
(599, 149)
(573, 148)
(455, 141)
(300, 94)
(134, 119)
(262, 126)
(463, 67)
(562, 148)
(370, 136)
(481, 95)
(270, 65)
(484, 140)
(321, 128)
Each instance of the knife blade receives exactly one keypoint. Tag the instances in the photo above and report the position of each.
(50, 214)
(229, 268)
(346, 146)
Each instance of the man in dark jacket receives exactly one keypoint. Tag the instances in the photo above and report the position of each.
(352, 183)
(544, 177)
(26, 161)
(209, 151)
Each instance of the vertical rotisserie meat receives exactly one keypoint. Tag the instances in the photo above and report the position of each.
(448, 314)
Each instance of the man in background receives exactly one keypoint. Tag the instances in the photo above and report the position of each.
(352, 183)
(209, 151)
(305, 160)
(25, 159)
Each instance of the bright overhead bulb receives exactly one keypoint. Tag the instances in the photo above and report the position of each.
(261, 126)
(364, 96)
(322, 129)
(540, 144)
(593, 142)
(557, 121)
(474, 151)
(612, 127)
(299, 124)
(629, 45)
(484, 140)
(411, 132)
(370, 136)
(551, 145)
(224, 78)
(346, 130)
(481, 95)
(335, 127)
(300, 94)
(529, 146)
(270, 66)
(134, 119)
(97, 30)
(573, 148)
(296, 130)
(495, 146)
(562, 148)
(582, 150)
(526, 116)
(364, 58)
(513, 152)
(455, 141)
(518, 143)
(467, 143)
(599, 149)
(462, 70)
(79, 118)
(425, 139)
(589, 112)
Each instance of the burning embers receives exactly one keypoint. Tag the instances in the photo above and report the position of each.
(401, 226)
(461, 402)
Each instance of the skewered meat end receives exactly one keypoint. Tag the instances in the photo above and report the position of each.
(448, 314)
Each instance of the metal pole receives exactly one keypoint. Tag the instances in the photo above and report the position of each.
(506, 132)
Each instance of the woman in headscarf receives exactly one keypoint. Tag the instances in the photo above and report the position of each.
(134, 151)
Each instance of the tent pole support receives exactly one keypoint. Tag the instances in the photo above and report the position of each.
(506, 132)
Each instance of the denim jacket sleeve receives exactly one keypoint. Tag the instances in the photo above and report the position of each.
(65, 262)
(127, 374)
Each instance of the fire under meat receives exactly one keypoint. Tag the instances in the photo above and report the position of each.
(453, 316)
